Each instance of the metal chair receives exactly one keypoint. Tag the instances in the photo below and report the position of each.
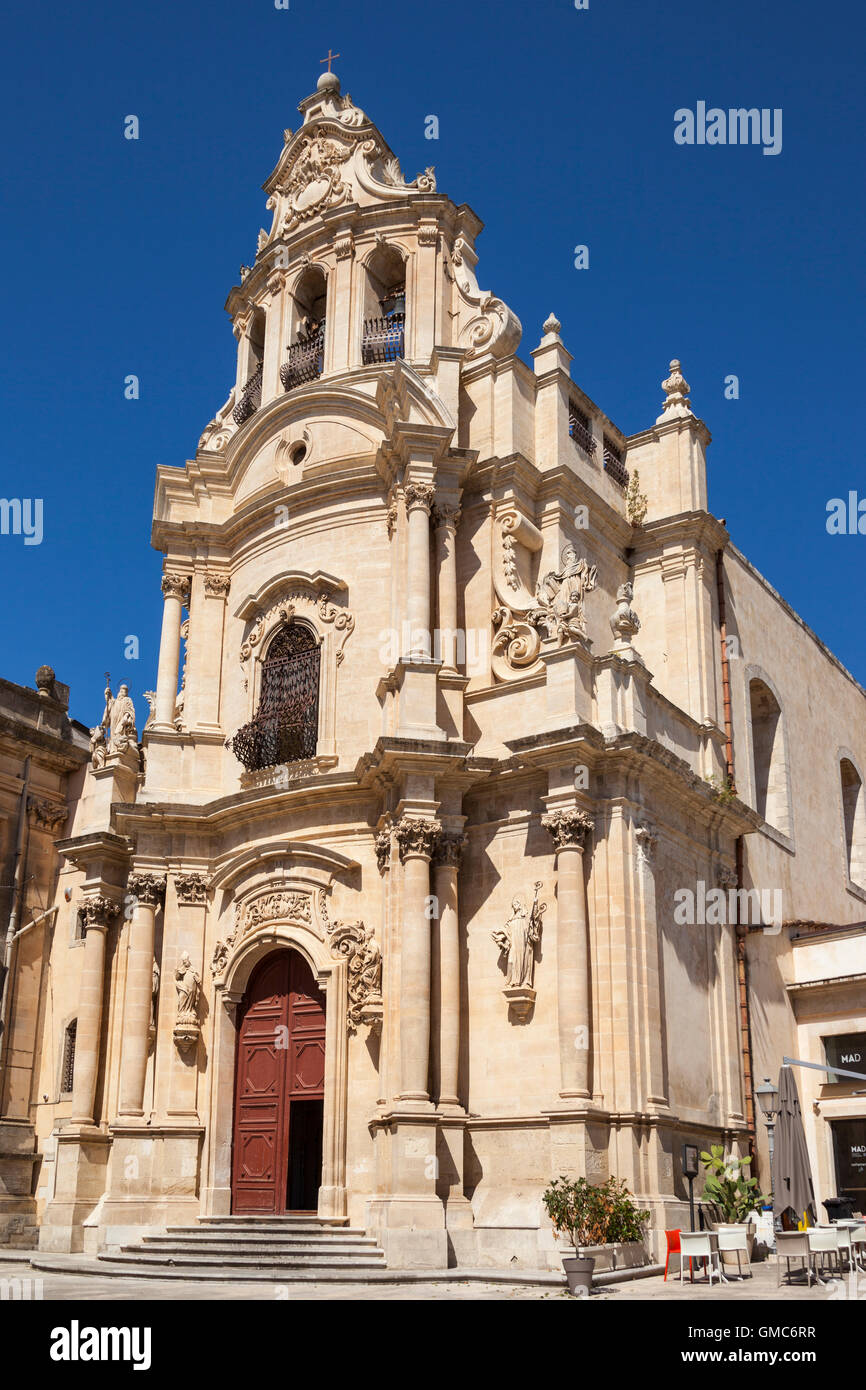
(698, 1245)
(858, 1248)
(736, 1239)
(793, 1245)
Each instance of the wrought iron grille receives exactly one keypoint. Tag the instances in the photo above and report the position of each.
(68, 1076)
(305, 360)
(250, 400)
(285, 724)
(613, 463)
(578, 428)
(383, 339)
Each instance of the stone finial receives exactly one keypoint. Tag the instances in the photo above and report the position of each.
(676, 389)
(45, 680)
(328, 82)
(624, 623)
(552, 325)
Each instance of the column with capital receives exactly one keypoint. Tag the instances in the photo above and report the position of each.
(419, 501)
(446, 518)
(448, 852)
(342, 342)
(417, 838)
(208, 632)
(99, 913)
(148, 891)
(568, 830)
(271, 385)
(407, 1214)
(175, 592)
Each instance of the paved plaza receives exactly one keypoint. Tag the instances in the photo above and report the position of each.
(78, 1286)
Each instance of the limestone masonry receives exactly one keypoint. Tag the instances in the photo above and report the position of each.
(460, 690)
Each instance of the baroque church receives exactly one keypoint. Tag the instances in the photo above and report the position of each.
(462, 694)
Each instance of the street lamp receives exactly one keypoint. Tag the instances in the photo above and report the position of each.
(768, 1099)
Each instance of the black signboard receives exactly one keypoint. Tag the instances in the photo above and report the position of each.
(846, 1050)
(849, 1143)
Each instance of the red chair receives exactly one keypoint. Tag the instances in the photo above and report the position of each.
(673, 1240)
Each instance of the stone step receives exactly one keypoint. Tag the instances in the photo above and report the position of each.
(303, 1218)
(268, 1232)
(258, 1240)
(133, 1259)
(256, 1251)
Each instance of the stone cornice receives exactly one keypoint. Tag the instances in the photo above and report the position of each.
(701, 529)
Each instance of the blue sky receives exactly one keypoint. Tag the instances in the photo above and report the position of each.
(556, 125)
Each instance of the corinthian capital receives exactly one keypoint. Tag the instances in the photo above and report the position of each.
(447, 514)
(175, 586)
(216, 585)
(417, 836)
(191, 888)
(449, 849)
(99, 911)
(419, 495)
(148, 889)
(567, 828)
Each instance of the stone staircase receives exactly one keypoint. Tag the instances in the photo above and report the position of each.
(280, 1248)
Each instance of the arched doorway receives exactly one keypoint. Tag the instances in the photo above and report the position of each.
(279, 1089)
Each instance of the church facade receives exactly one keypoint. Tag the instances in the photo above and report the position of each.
(473, 847)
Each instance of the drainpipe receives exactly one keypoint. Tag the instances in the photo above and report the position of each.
(12, 924)
(740, 929)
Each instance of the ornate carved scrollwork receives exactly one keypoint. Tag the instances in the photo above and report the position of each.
(364, 985)
(382, 843)
(48, 814)
(281, 905)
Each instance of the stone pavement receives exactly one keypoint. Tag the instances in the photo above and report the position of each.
(77, 1286)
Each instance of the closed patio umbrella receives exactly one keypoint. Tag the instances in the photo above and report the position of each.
(793, 1190)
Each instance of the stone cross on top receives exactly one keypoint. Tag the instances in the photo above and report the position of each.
(330, 58)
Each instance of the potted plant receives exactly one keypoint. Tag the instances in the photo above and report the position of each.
(732, 1192)
(591, 1216)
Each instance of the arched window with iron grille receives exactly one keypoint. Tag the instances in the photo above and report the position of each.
(285, 725)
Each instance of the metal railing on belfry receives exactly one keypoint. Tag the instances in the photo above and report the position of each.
(383, 339)
(305, 360)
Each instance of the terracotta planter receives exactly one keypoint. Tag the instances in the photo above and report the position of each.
(578, 1272)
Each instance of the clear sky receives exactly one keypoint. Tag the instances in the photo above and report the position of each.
(557, 126)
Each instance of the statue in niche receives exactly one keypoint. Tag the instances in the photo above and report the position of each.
(560, 595)
(518, 940)
(118, 721)
(188, 989)
(188, 986)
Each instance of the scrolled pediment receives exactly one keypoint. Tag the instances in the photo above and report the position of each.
(288, 584)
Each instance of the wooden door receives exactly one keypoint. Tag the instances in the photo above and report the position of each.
(276, 1164)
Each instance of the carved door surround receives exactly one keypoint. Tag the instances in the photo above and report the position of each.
(280, 1070)
(275, 896)
(309, 598)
